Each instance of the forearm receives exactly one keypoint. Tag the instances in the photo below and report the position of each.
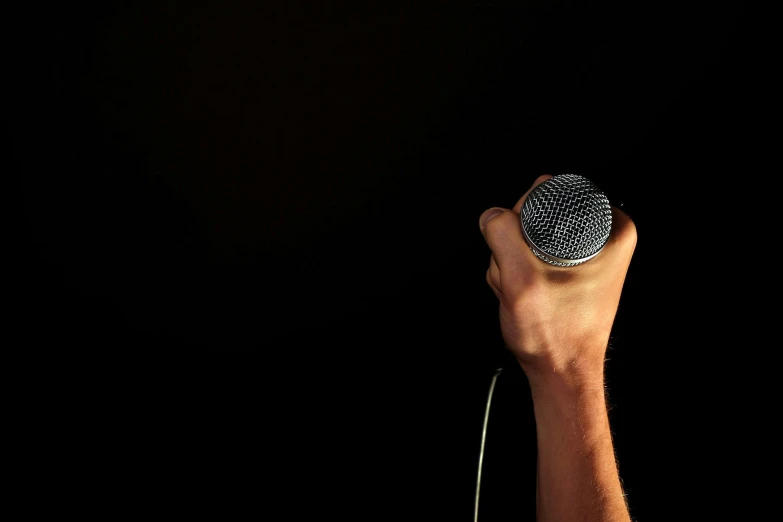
(577, 472)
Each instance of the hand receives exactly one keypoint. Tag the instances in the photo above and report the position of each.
(555, 319)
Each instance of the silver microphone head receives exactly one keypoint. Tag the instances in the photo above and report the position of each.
(566, 220)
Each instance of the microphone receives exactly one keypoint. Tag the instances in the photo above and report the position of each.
(566, 220)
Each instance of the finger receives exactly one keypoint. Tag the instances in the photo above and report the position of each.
(492, 286)
(623, 236)
(539, 180)
(487, 215)
(503, 234)
(502, 230)
(493, 275)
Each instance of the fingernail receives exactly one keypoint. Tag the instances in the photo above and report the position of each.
(489, 214)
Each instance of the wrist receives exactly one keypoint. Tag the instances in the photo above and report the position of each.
(562, 380)
(572, 401)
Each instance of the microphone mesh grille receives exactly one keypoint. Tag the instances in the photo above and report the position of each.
(567, 217)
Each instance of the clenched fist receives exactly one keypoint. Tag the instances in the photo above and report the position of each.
(555, 319)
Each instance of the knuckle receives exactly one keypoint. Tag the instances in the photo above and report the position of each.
(628, 232)
(624, 228)
(491, 280)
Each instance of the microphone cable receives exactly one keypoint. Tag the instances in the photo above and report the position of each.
(483, 441)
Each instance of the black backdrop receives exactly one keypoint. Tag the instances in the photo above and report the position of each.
(250, 276)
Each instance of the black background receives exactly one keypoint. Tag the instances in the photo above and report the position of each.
(248, 272)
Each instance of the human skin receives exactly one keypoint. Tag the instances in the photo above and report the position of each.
(556, 321)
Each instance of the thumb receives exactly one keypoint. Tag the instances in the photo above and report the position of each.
(489, 214)
(505, 239)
